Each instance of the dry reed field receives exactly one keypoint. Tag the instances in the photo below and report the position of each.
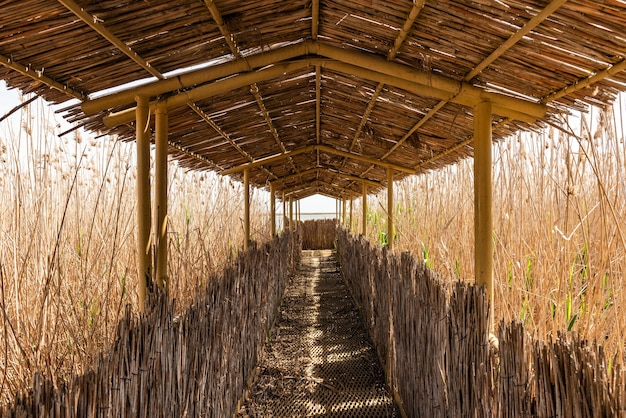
(559, 235)
(67, 242)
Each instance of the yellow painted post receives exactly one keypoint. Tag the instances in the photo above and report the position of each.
(246, 208)
(389, 207)
(144, 259)
(483, 190)
(273, 209)
(291, 225)
(283, 223)
(160, 187)
(350, 222)
(364, 231)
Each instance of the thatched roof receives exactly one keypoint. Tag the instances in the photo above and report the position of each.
(316, 95)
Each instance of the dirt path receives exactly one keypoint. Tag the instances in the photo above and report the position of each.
(318, 360)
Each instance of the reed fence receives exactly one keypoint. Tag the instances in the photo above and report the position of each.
(431, 336)
(195, 364)
(318, 234)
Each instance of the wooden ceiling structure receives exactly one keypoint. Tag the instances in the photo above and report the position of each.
(331, 97)
(316, 96)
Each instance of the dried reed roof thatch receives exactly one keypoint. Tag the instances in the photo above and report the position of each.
(317, 96)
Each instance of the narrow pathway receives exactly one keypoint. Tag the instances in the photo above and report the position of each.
(318, 360)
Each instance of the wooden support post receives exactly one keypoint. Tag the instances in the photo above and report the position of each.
(144, 259)
(350, 222)
(273, 209)
(364, 230)
(160, 186)
(389, 207)
(291, 223)
(246, 208)
(483, 190)
(284, 220)
(344, 216)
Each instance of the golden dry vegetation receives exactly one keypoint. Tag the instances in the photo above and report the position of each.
(67, 241)
(559, 226)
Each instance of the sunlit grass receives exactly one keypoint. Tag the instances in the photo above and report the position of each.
(67, 242)
(559, 216)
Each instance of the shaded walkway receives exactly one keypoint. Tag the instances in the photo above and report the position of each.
(319, 360)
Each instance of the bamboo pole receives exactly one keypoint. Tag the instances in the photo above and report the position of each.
(344, 218)
(273, 209)
(483, 189)
(246, 208)
(291, 228)
(364, 229)
(351, 205)
(144, 267)
(160, 186)
(389, 207)
(284, 213)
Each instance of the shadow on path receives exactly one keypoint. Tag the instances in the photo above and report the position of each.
(319, 360)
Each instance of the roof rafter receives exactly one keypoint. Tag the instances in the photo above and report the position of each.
(95, 24)
(322, 148)
(40, 77)
(318, 170)
(254, 88)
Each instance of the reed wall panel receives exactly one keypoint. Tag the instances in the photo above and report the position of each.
(318, 234)
(431, 336)
(195, 364)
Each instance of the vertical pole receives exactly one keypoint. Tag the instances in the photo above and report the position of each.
(291, 225)
(144, 262)
(483, 190)
(273, 209)
(344, 218)
(364, 231)
(351, 204)
(283, 223)
(160, 187)
(389, 207)
(246, 208)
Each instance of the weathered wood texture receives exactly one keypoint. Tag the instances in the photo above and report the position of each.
(196, 364)
(431, 337)
(318, 234)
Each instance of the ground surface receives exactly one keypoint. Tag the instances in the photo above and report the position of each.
(318, 360)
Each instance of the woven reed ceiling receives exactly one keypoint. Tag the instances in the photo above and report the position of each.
(317, 96)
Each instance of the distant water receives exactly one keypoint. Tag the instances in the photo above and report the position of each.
(306, 217)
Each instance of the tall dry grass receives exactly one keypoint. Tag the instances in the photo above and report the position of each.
(67, 242)
(559, 226)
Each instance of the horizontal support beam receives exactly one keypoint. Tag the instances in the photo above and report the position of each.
(192, 78)
(268, 160)
(317, 185)
(40, 77)
(208, 90)
(346, 176)
(457, 89)
(322, 148)
(368, 66)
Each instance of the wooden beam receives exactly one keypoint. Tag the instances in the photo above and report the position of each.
(323, 148)
(315, 19)
(483, 191)
(272, 210)
(95, 24)
(192, 78)
(516, 37)
(246, 208)
(404, 31)
(269, 160)
(390, 227)
(144, 258)
(210, 90)
(38, 76)
(364, 208)
(288, 177)
(160, 191)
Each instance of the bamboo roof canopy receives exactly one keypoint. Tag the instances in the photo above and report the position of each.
(316, 96)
